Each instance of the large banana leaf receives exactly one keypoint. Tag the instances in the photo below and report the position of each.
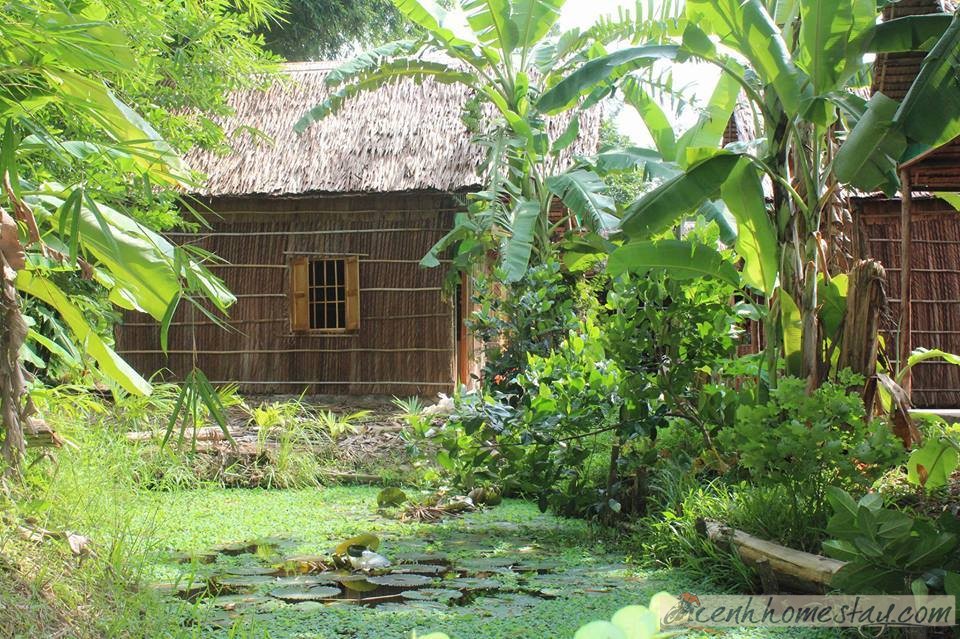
(448, 26)
(490, 21)
(910, 33)
(746, 27)
(930, 113)
(112, 365)
(621, 159)
(518, 247)
(868, 157)
(658, 209)
(756, 238)
(707, 133)
(827, 30)
(656, 121)
(792, 333)
(144, 265)
(370, 60)
(535, 18)
(123, 124)
(599, 70)
(584, 193)
(679, 258)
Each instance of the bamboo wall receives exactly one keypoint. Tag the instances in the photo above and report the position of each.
(406, 343)
(935, 285)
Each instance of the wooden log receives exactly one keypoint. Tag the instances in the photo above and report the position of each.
(795, 570)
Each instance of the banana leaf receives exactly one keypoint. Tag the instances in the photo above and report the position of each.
(658, 209)
(679, 258)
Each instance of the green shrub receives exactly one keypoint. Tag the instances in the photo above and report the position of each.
(807, 442)
(889, 551)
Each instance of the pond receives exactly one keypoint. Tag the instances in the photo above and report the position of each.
(256, 563)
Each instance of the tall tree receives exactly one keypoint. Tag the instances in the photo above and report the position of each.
(330, 29)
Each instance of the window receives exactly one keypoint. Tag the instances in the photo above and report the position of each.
(325, 294)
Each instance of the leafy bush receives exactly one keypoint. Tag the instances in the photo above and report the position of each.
(530, 316)
(807, 442)
(574, 422)
(889, 551)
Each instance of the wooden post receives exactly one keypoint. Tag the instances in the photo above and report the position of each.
(905, 345)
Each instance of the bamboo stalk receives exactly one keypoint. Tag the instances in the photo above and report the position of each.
(905, 338)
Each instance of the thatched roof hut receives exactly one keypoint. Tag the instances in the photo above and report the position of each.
(322, 234)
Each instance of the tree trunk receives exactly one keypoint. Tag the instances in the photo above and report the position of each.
(13, 332)
(14, 411)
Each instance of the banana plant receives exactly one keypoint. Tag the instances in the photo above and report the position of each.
(795, 66)
(51, 82)
(502, 51)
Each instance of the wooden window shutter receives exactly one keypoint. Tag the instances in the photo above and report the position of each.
(299, 294)
(353, 292)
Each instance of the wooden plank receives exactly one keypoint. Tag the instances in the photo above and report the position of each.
(905, 338)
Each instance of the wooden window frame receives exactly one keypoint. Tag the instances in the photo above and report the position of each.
(300, 268)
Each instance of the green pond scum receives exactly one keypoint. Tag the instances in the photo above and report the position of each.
(257, 564)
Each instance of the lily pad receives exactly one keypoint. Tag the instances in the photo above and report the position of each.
(240, 583)
(249, 571)
(305, 564)
(200, 558)
(300, 593)
(432, 594)
(410, 605)
(247, 547)
(400, 580)
(308, 606)
(540, 567)
(420, 569)
(485, 564)
(233, 602)
(473, 583)
(307, 580)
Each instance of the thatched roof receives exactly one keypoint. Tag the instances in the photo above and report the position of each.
(403, 137)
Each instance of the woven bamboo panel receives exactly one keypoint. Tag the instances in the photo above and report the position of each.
(935, 286)
(406, 344)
